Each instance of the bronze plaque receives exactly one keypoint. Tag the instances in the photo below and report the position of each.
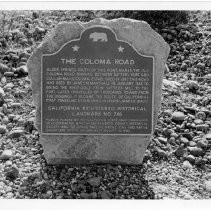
(97, 84)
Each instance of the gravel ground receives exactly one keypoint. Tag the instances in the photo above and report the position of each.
(177, 162)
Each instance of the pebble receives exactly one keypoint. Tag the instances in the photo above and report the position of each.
(202, 127)
(200, 161)
(196, 151)
(162, 140)
(16, 133)
(200, 65)
(3, 68)
(9, 74)
(192, 143)
(6, 155)
(3, 129)
(174, 135)
(188, 45)
(193, 85)
(2, 93)
(208, 185)
(201, 115)
(22, 70)
(93, 195)
(8, 163)
(1, 101)
(179, 152)
(95, 181)
(167, 112)
(191, 158)
(105, 195)
(29, 125)
(8, 189)
(208, 136)
(85, 195)
(186, 164)
(198, 121)
(203, 143)
(12, 172)
(16, 105)
(49, 193)
(172, 141)
(161, 153)
(10, 195)
(184, 140)
(178, 116)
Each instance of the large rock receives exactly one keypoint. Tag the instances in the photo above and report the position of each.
(74, 149)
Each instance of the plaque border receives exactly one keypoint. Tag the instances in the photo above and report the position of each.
(94, 134)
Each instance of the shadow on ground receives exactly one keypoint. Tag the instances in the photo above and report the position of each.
(87, 182)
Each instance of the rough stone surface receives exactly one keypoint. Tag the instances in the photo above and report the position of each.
(6, 154)
(178, 116)
(81, 149)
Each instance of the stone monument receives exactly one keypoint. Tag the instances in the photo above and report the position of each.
(97, 90)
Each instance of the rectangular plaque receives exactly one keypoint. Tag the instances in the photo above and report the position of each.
(97, 84)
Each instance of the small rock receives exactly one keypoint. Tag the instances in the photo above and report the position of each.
(196, 151)
(8, 189)
(6, 155)
(1, 101)
(184, 140)
(192, 143)
(2, 93)
(179, 152)
(22, 70)
(201, 115)
(49, 193)
(105, 195)
(85, 195)
(200, 162)
(178, 116)
(93, 195)
(9, 74)
(208, 185)
(161, 153)
(172, 141)
(8, 163)
(2, 129)
(162, 140)
(174, 135)
(16, 105)
(188, 45)
(191, 158)
(95, 181)
(202, 127)
(186, 164)
(193, 86)
(29, 125)
(208, 136)
(3, 68)
(11, 116)
(12, 172)
(198, 121)
(203, 143)
(16, 133)
(184, 67)
(200, 65)
(166, 71)
(188, 135)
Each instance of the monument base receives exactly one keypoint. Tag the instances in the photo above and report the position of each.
(94, 149)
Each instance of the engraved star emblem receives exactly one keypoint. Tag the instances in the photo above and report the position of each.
(75, 48)
(120, 48)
